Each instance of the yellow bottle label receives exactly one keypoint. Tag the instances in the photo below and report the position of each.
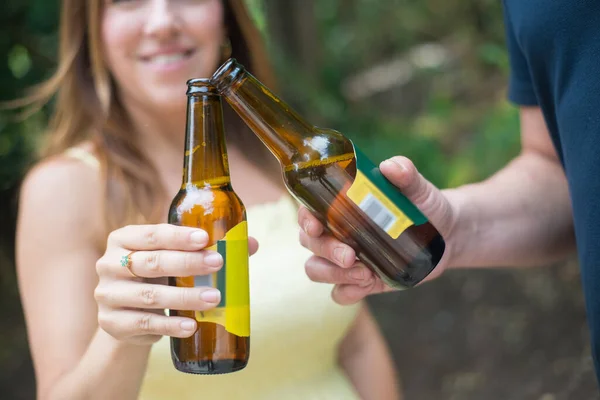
(377, 206)
(232, 280)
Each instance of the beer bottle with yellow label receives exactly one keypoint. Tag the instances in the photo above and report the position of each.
(206, 200)
(324, 171)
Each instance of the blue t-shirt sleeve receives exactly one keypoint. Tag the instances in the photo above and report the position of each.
(520, 86)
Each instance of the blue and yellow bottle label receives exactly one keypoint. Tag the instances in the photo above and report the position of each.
(381, 201)
(232, 280)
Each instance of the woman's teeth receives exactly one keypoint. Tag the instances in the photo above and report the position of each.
(165, 59)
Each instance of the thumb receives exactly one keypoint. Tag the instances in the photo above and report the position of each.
(252, 245)
(403, 174)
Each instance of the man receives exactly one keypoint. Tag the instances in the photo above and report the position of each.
(541, 204)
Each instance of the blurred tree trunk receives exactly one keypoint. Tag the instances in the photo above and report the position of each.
(294, 35)
(294, 32)
(347, 12)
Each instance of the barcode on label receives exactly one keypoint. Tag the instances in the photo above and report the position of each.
(375, 210)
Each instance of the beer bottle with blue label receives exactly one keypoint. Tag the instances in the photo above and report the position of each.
(325, 172)
(206, 200)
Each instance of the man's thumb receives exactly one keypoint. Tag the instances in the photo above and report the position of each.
(403, 174)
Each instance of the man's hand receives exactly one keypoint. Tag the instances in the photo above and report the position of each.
(335, 262)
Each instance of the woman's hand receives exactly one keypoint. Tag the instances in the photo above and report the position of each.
(131, 301)
(335, 262)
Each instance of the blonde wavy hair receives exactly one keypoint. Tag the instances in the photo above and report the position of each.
(87, 109)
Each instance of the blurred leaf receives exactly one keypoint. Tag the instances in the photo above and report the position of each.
(493, 54)
(19, 61)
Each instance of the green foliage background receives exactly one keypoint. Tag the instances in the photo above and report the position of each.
(451, 119)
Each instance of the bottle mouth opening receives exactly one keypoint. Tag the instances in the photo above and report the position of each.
(201, 86)
(227, 74)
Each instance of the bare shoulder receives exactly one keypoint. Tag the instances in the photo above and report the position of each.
(57, 244)
(62, 193)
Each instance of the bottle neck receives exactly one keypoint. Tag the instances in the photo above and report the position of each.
(278, 126)
(205, 160)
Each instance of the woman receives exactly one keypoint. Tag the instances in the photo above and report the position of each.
(102, 189)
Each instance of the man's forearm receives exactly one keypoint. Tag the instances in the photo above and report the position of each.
(520, 216)
(109, 369)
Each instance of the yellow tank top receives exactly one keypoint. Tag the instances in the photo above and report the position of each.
(295, 325)
(295, 328)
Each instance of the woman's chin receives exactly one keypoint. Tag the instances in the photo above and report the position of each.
(164, 101)
(169, 101)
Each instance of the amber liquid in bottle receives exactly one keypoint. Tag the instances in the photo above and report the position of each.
(402, 261)
(319, 166)
(207, 200)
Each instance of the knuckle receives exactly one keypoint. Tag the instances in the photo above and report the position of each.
(112, 237)
(185, 297)
(104, 321)
(150, 236)
(189, 261)
(148, 295)
(144, 322)
(101, 266)
(100, 294)
(152, 261)
(104, 295)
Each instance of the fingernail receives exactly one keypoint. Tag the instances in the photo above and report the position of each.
(188, 325)
(213, 259)
(211, 296)
(396, 161)
(306, 225)
(338, 254)
(199, 237)
(388, 162)
(357, 273)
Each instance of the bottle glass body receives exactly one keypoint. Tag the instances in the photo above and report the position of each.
(206, 200)
(324, 171)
